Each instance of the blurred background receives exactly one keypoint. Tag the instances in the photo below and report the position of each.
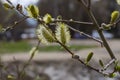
(18, 41)
(68, 9)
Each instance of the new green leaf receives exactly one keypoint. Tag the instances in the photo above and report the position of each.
(112, 75)
(45, 34)
(62, 33)
(47, 18)
(101, 63)
(114, 16)
(33, 11)
(7, 6)
(89, 57)
(117, 66)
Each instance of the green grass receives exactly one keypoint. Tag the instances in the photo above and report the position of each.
(53, 48)
(13, 47)
(24, 46)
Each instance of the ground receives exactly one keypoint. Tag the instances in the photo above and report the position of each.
(99, 52)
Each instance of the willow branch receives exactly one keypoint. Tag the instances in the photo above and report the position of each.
(10, 2)
(89, 4)
(76, 57)
(29, 60)
(108, 64)
(17, 22)
(68, 21)
(102, 36)
(65, 47)
(117, 21)
(72, 21)
(73, 54)
(14, 25)
(84, 2)
(88, 36)
(81, 33)
(106, 45)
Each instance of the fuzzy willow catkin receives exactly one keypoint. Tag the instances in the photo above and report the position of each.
(62, 33)
(45, 34)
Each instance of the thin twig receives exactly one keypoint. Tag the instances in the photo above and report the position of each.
(78, 59)
(70, 52)
(14, 25)
(15, 8)
(117, 21)
(73, 54)
(97, 70)
(102, 36)
(84, 34)
(17, 22)
(72, 21)
(67, 21)
(89, 4)
(108, 64)
(106, 45)
(65, 47)
(84, 2)
(29, 60)
(80, 32)
(10, 2)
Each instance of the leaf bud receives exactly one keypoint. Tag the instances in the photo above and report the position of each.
(7, 6)
(47, 18)
(114, 16)
(112, 75)
(89, 57)
(75, 57)
(101, 63)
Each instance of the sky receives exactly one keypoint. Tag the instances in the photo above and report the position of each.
(23, 2)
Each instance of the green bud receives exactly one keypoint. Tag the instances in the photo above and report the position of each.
(114, 16)
(47, 18)
(7, 6)
(112, 75)
(101, 63)
(75, 57)
(117, 68)
(89, 57)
